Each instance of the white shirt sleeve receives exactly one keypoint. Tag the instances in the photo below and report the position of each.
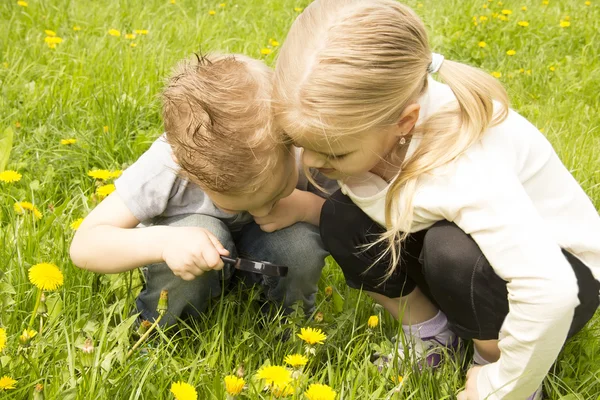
(489, 202)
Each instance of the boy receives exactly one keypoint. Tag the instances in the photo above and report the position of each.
(205, 189)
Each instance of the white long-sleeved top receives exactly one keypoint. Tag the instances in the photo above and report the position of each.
(520, 204)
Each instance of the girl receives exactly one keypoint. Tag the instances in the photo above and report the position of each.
(483, 233)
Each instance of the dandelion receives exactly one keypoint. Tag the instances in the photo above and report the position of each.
(183, 391)
(22, 3)
(483, 18)
(46, 276)
(502, 18)
(141, 31)
(552, 68)
(496, 74)
(317, 391)
(420, 5)
(6, 382)
(22, 206)
(173, 1)
(312, 336)
(265, 51)
(132, 44)
(114, 32)
(105, 190)
(373, 321)
(397, 379)
(523, 23)
(524, 8)
(130, 36)
(500, 3)
(234, 385)
(76, 224)
(273, 42)
(26, 337)
(222, 5)
(506, 12)
(76, 28)
(48, 32)
(296, 360)
(298, 9)
(588, 3)
(511, 52)
(100, 174)
(545, 2)
(105, 129)
(275, 376)
(522, 70)
(212, 12)
(564, 24)
(67, 142)
(528, 72)
(485, 6)
(2, 339)
(52, 41)
(285, 391)
(10, 176)
(482, 44)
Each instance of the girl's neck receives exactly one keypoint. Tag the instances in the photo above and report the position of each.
(389, 167)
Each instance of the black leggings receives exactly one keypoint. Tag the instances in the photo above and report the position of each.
(444, 262)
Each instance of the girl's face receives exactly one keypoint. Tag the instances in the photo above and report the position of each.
(348, 155)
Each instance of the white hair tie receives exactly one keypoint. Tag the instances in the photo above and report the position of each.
(436, 63)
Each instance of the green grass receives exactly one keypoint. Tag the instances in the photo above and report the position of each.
(92, 80)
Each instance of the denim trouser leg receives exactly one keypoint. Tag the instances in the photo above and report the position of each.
(186, 298)
(298, 247)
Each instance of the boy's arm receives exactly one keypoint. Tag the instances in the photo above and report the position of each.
(107, 243)
(300, 206)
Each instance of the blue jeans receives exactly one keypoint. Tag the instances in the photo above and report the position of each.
(298, 247)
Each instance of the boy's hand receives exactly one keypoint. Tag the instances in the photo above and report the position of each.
(190, 252)
(470, 392)
(300, 206)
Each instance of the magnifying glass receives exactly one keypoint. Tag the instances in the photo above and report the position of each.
(260, 267)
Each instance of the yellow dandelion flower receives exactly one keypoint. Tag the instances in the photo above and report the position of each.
(17, 124)
(285, 391)
(76, 28)
(588, 3)
(485, 6)
(114, 32)
(317, 391)
(212, 12)
(26, 337)
(10, 176)
(528, 72)
(46, 276)
(511, 52)
(496, 74)
(524, 8)
(76, 224)
(22, 206)
(273, 42)
(52, 45)
(183, 391)
(552, 68)
(523, 23)
(506, 12)
(105, 190)
(130, 36)
(567, 18)
(67, 142)
(483, 18)
(312, 336)
(105, 129)
(482, 44)
(296, 360)
(397, 379)
(521, 70)
(48, 32)
(234, 385)
(53, 40)
(222, 5)
(22, 3)
(132, 44)
(141, 31)
(503, 18)
(298, 9)
(100, 174)
(373, 321)
(265, 52)
(545, 2)
(564, 24)
(275, 376)
(173, 1)
(6, 382)
(2, 339)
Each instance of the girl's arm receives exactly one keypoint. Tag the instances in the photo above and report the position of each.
(495, 210)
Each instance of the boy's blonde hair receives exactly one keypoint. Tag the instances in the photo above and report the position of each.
(352, 66)
(218, 121)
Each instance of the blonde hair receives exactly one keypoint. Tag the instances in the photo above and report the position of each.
(352, 66)
(218, 121)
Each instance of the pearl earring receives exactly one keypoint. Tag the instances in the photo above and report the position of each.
(402, 141)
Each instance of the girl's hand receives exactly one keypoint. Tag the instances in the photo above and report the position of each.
(470, 392)
(300, 206)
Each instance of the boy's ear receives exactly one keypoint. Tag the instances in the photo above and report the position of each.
(408, 119)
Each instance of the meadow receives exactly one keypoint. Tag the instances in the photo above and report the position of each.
(79, 86)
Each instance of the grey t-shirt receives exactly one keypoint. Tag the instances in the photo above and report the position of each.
(151, 188)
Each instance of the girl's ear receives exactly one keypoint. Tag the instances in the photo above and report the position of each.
(408, 119)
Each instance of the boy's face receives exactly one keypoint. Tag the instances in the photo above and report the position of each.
(281, 183)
